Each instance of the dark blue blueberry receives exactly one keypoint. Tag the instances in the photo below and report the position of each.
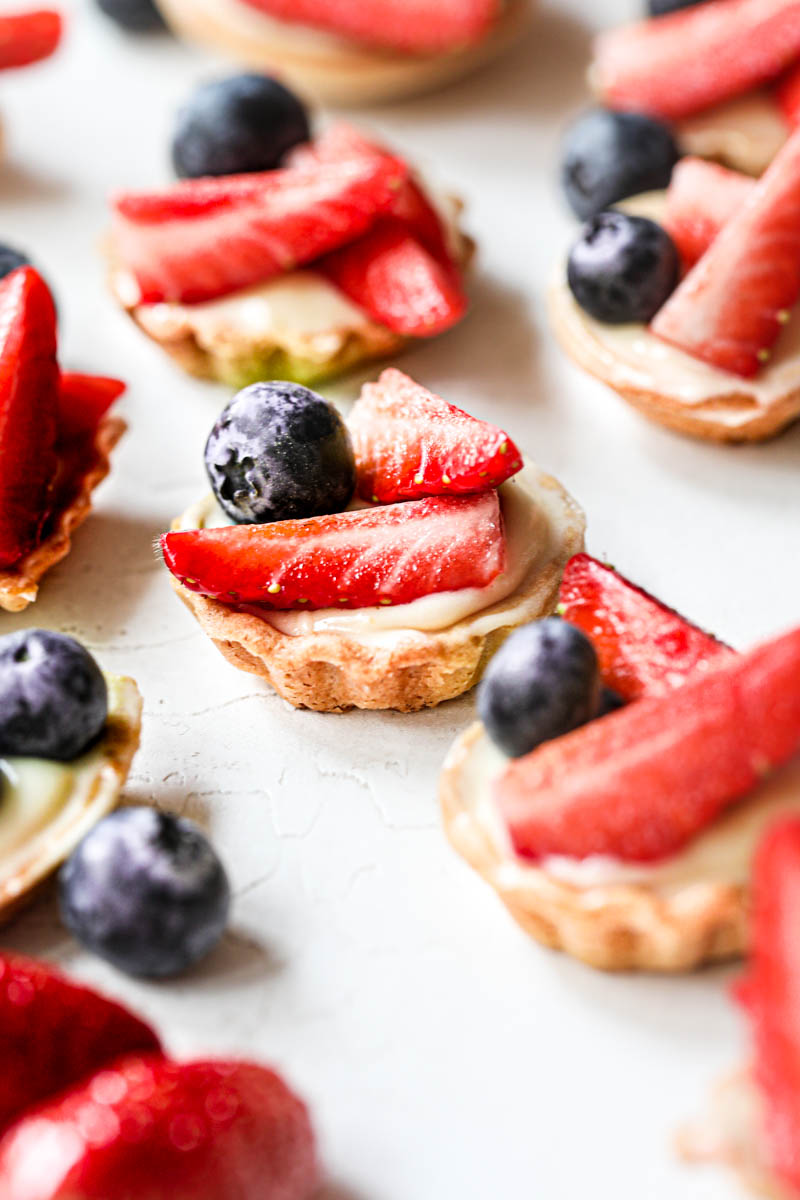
(658, 8)
(609, 702)
(137, 16)
(622, 268)
(232, 126)
(53, 697)
(610, 155)
(278, 451)
(542, 682)
(146, 891)
(10, 259)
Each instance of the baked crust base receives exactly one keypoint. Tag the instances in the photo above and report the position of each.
(332, 671)
(615, 928)
(120, 743)
(19, 584)
(734, 417)
(337, 72)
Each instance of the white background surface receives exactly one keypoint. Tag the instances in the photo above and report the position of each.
(444, 1054)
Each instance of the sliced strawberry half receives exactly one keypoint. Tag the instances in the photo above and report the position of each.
(689, 60)
(410, 443)
(394, 278)
(644, 647)
(645, 780)
(54, 1033)
(414, 26)
(28, 410)
(83, 400)
(412, 206)
(147, 1129)
(701, 199)
(770, 994)
(731, 307)
(206, 237)
(388, 555)
(28, 37)
(787, 95)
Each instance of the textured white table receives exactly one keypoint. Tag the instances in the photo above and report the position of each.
(444, 1055)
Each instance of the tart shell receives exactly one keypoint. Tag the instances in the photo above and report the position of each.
(120, 743)
(330, 671)
(337, 72)
(617, 927)
(19, 584)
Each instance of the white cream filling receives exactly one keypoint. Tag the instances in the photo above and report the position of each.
(630, 357)
(43, 803)
(746, 132)
(535, 521)
(722, 853)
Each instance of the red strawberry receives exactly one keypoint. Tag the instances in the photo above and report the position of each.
(397, 281)
(701, 199)
(83, 401)
(414, 26)
(410, 443)
(732, 305)
(28, 410)
(687, 61)
(54, 1033)
(205, 237)
(27, 37)
(388, 555)
(641, 783)
(644, 648)
(787, 94)
(770, 994)
(151, 1129)
(341, 142)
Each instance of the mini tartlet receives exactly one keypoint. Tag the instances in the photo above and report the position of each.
(47, 807)
(720, 357)
(60, 423)
(412, 654)
(670, 913)
(340, 69)
(303, 273)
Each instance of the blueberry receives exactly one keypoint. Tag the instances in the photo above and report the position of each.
(658, 8)
(543, 682)
(137, 16)
(231, 126)
(53, 697)
(11, 259)
(609, 702)
(622, 268)
(277, 451)
(146, 891)
(611, 155)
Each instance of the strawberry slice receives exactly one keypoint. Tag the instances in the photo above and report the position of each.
(701, 199)
(54, 1033)
(413, 26)
(206, 237)
(148, 1128)
(341, 142)
(730, 308)
(641, 783)
(28, 410)
(83, 400)
(28, 37)
(770, 992)
(388, 555)
(410, 443)
(644, 648)
(787, 95)
(397, 281)
(691, 59)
